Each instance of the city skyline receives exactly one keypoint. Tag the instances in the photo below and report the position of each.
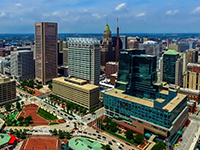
(89, 16)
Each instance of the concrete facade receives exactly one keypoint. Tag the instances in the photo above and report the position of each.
(77, 91)
(84, 59)
(22, 65)
(46, 51)
(7, 90)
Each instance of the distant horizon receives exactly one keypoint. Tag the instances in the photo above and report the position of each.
(119, 33)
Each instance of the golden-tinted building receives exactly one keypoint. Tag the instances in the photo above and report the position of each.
(7, 90)
(46, 38)
(77, 91)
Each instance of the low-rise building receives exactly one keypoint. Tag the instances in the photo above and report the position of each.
(111, 67)
(77, 91)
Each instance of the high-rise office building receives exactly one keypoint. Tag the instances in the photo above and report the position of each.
(192, 76)
(22, 65)
(65, 56)
(46, 51)
(84, 59)
(152, 48)
(192, 55)
(7, 90)
(171, 66)
(137, 74)
(150, 110)
(107, 50)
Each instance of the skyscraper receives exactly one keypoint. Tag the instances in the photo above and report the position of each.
(46, 51)
(84, 59)
(171, 67)
(107, 51)
(22, 65)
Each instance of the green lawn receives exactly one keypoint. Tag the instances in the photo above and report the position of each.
(46, 115)
(121, 137)
(53, 123)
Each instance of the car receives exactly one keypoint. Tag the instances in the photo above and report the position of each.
(80, 131)
(67, 125)
(114, 141)
(85, 132)
(99, 137)
(128, 144)
(27, 129)
(53, 108)
(122, 145)
(36, 131)
(104, 137)
(58, 111)
(61, 113)
(44, 105)
(97, 131)
(50, 131)
(70, 118)
(94, 134)
(119, 147)
(89, 134)
(53, 111)
(82, 123)
(88, 119)
(110, 143)
(176, 144)
(72, 132)
(78, 123)
(65, 114)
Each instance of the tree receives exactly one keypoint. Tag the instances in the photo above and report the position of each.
(54, 132)
(75, 125)
(107, 121)
(129, 134)
(18, 106)
(3, 131)
(39, 86)
(61, 134)
(22, 103)
(113, 126)
(138, 139)
(50, 86)
(107, 147)
(17, 133)
(23, 135)
(8, 122)
(20, 119)
(92, 110)
(7, 106)
(99, 122)
(11, 131)
(68, 135)
(159, 146)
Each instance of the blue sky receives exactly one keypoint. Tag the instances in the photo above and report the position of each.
(89, 16)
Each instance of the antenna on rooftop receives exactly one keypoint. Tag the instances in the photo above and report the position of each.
(107, 20)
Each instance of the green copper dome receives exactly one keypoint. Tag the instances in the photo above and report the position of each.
(107, 28)
(171, 52)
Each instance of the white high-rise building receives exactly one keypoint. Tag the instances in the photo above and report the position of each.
(84, 59)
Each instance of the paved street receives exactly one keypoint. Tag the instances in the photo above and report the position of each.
(188, 136)
(70, 123)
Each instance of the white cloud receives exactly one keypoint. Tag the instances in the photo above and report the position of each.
(2, 14)
(85, 10)
(120, 6)
(96, 15)
(140, 15)
(18, 4)
(196, 10)
(172, 12)
(55, 13)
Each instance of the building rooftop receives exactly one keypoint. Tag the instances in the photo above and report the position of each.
(76, 83)
(174, 102)
(119, 93)
(150, 43)
(107, 28)
(81, 143)
(83, 40)
(193, 64)
(148, 102)
(4, 139)
(171, 52)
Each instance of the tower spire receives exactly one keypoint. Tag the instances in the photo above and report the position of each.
(117, 46)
